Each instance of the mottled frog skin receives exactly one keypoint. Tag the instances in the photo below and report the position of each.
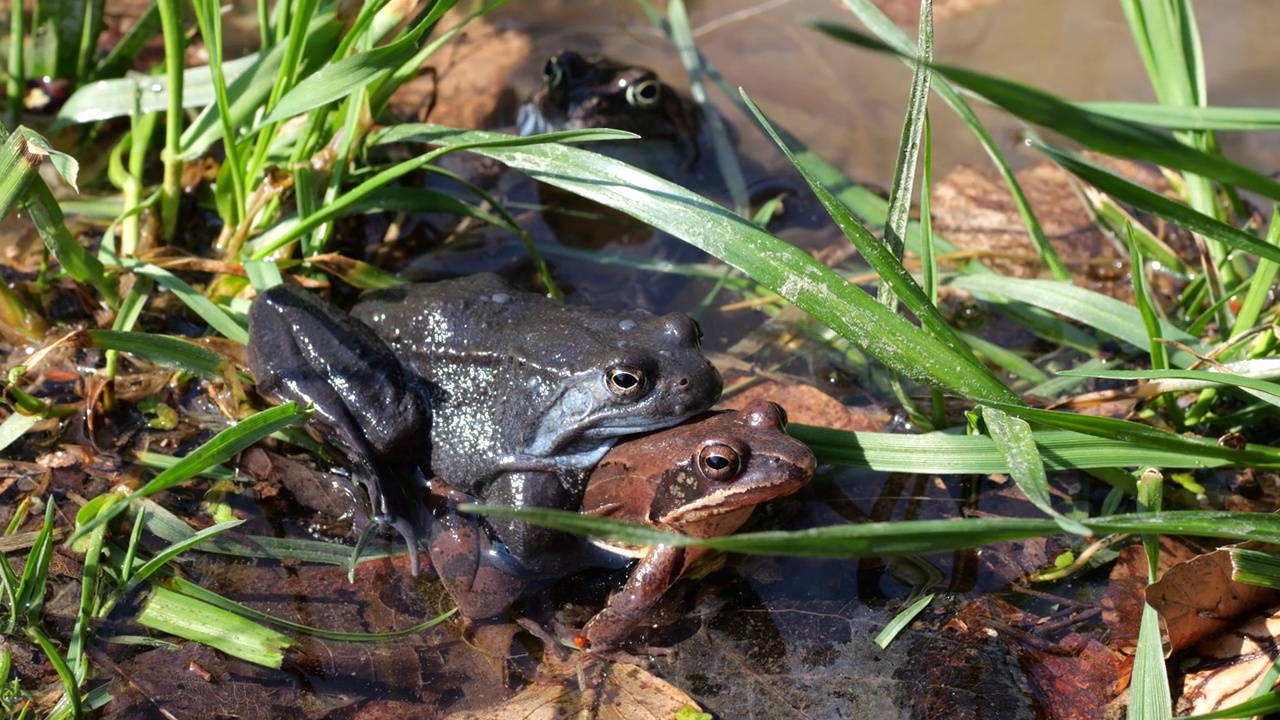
(520, 382)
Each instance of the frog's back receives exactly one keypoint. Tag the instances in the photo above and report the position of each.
(480, 320)
(521, 382)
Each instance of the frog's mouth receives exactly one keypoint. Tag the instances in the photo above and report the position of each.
(583, 446)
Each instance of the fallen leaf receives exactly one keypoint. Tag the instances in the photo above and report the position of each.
(602, 691)
(1198, 598)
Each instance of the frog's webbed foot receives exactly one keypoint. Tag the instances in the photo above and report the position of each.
(557, 647)
(642, 657)
(402, 526)
(396, 504)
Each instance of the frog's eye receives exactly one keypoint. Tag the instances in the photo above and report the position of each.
(625, 382)
(719, 462)
(553, 72)
(644, 93)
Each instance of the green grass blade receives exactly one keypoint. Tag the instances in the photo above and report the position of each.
(216, 317)
(38, 148)
(162, 349)
(1264, 389)
(71, 690)
(1259, 706)
(1150, 698)
(417, 133)
(28, 600)
(342, 78)
(946, 453)
(902, 621)
(1157, 204)
(726, 155)
(773, 263)
(175, 549)
(1105, 134)
(51, 225)
(1093, 309)
(192, 590)
(107, 99)
(878, 539)
(891, 34)
(1190, 118)
(17, 169)
(191, 619)
(1017, 443)
(1008, 360)
(248, 94)
(15, 426)
(120, 58)
(1156, 439)
(904, 171)
(1264, 275)
(221, 447)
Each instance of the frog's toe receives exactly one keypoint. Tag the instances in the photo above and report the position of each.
(405, 529)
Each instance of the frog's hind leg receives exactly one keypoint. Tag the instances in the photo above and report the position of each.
(396, 504)
(304, 349)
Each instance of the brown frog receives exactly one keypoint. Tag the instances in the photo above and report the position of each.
(703, 478)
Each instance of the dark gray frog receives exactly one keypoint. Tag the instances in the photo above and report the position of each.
(520, 382)
(580, 92)
(500, 395)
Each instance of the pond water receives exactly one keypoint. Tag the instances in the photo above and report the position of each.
(848, 103)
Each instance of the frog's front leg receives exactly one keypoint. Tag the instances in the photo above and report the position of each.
(303, 349)
(652, 576)
(533, 552)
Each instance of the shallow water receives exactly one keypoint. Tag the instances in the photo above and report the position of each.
(848, 103)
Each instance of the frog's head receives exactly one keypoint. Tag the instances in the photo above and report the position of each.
(652, 377)
(578, 92)
(703, 477)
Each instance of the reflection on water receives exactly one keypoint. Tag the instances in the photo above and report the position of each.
(849, 103)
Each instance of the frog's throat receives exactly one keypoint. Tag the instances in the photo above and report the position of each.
(584, 416)
(581, 455)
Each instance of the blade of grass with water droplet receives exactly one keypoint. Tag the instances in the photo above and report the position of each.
(773, 263)
(1118, 319)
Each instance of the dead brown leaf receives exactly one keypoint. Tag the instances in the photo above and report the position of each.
(1232, 666)
(1198, 598)
(974, 210)
(601, 691)
(808, 405)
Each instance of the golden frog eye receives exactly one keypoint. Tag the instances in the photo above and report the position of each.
(719, 462)
(644, 93)
(625, 382)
